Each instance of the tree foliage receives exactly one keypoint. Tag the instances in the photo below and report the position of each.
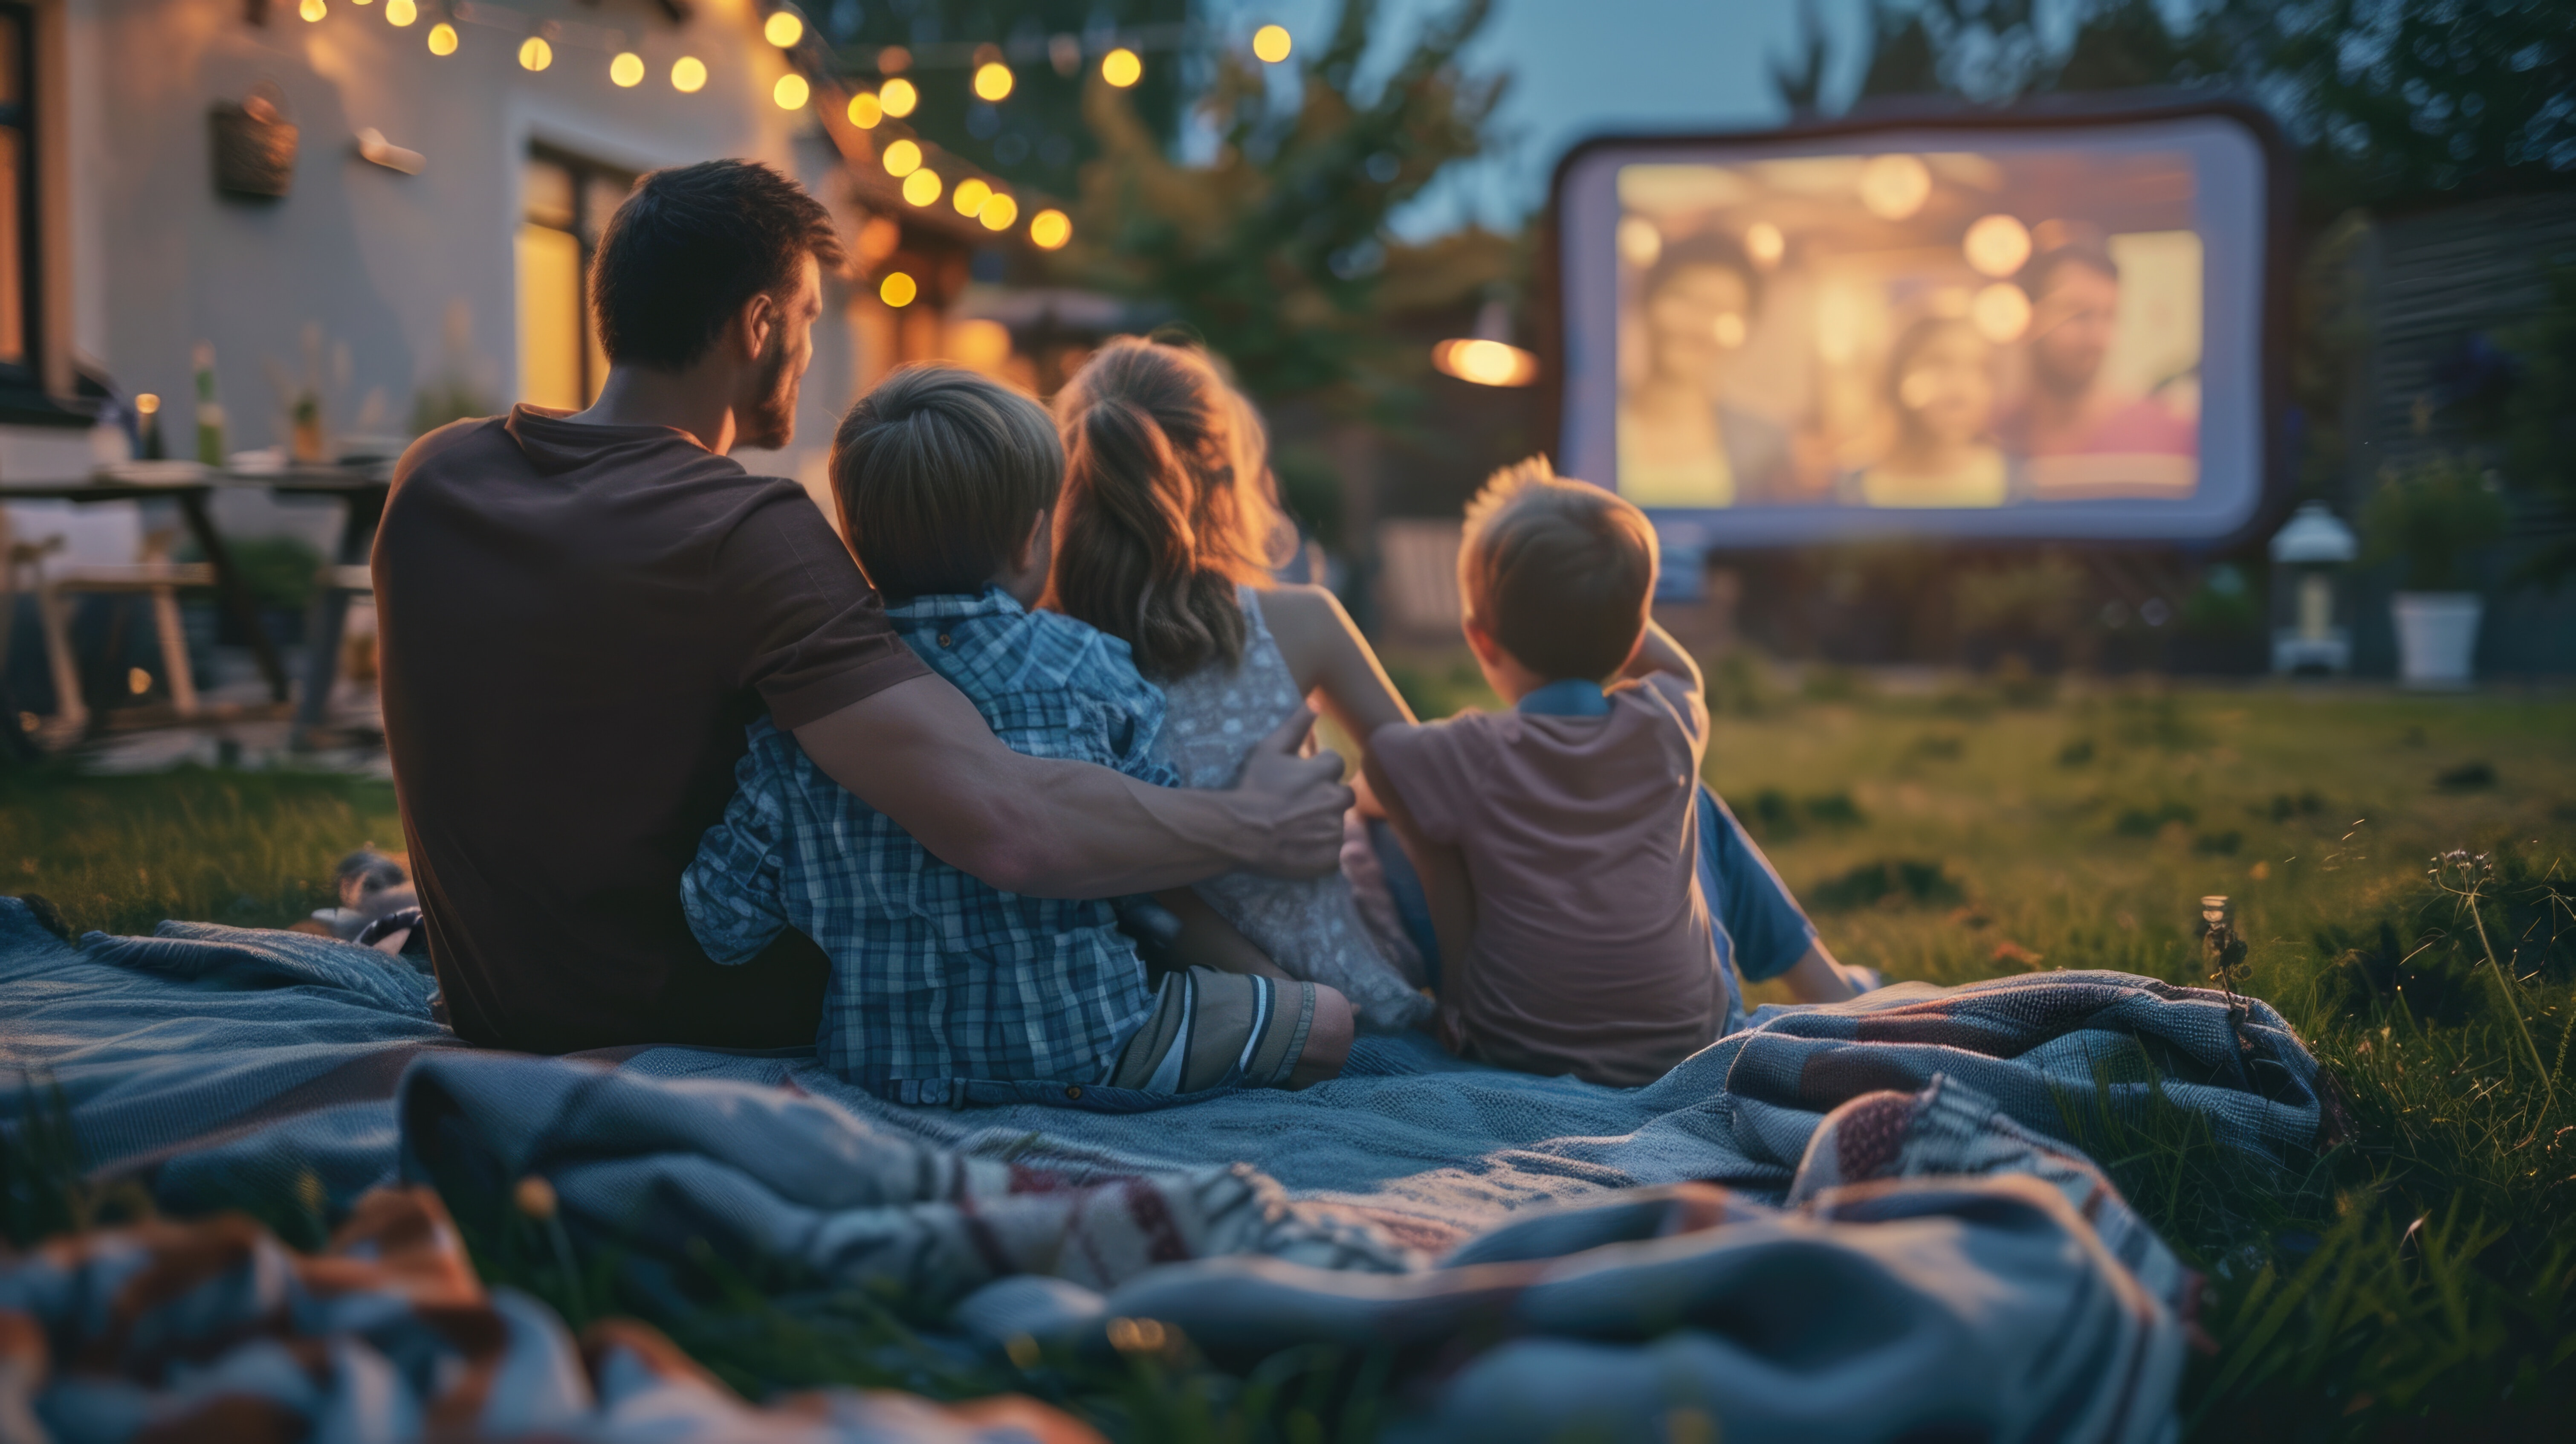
(1277, 251)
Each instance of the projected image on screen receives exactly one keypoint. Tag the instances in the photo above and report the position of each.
(1909, 330)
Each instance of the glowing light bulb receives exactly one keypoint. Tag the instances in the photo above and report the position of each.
(1639, 242)
(1894, 186)
(898, 289)
(791, 92)
(1485, 363)
(902, 158)
(535, 53)
(1050, 229)
(401, 12)
(784, 29)
(313, 9)
(1997, 245)
(898, 97)
(1271, 43)
(442, 39)
(993, 81)
(970, 197)
(147, 404)
(1764, 243)
(2001, 312)
(688, 75)
(998, 212)
(1122, 67)
(137, 681)
(921, 187)
(625, 72)
(866, 110)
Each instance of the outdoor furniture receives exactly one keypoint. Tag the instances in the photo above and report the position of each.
(153, 575)
(344, 575)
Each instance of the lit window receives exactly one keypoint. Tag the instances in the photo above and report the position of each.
(566, 203)
(18, 198)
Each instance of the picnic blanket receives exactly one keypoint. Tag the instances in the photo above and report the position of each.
(216, 1065)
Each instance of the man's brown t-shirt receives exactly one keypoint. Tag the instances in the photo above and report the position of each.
(577, 623)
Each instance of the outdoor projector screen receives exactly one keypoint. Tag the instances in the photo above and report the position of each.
(1991, 328)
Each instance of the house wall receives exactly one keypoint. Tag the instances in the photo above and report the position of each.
(408, 277)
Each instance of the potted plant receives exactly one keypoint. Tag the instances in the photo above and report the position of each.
(2429, 516)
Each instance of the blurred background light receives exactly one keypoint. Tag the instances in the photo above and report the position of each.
(1997, 245)
(1271, 43)
(1122, 67)
(1894, 186)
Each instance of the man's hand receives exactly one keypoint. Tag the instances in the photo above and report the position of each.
(1291, 805)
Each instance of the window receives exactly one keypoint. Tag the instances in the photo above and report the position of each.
(566, 202)
(18, 276)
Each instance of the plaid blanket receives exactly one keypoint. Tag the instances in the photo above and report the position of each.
(217, 1065)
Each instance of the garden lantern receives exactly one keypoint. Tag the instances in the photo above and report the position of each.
(2310, 557)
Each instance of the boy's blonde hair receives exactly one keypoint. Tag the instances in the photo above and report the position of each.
(1557, 571)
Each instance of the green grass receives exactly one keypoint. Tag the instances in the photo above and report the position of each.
(2416, 1281)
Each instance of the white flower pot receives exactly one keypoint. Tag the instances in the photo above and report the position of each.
(2437, 637)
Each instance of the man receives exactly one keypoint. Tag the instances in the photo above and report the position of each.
(2072, 425)
(581, 613)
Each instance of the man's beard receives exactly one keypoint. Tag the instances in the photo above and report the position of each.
(770, 423)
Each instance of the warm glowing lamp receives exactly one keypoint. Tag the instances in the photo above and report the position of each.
(902, 158)
(1050, 229)
(401, 12)
(993, 81)
(791, 92)
(784, 29)
(1487, 358)
(1997, 245)
(688, 75)
(898, 97)
(2001, 312)
(1121, 67)
(921, 187)
(313, 9)
(970, 197)
(627, 70)
(1271, 43)
(442, 39)
(535, 53)
(1894, 186)
(998, 212)
(898, 289)
(1764, 243)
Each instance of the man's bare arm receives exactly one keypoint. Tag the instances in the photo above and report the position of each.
(920, 753)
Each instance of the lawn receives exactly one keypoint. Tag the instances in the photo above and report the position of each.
(2418, 1280)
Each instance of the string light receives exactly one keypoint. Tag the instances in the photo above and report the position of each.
(791, 92)
(1894, 187)
(535, 53)
(442, 39)
(970, 197)
(313, 9)
(1997, 245)
(784, 29)
(1271, 43)
(866, 110)
(401, 12)
(993, 81)
(1764, 243)
(998, 212)
(921, 187)
(902, 158)
(625, 72)
(898, 97)
(688, 74)
(2001, 312)
(898, 289)
(361, 2)
(1050, 229)
(1121, 67)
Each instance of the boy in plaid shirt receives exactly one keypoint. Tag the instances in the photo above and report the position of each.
(945, 989)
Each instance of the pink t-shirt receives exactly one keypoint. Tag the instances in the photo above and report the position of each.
(1591, 952)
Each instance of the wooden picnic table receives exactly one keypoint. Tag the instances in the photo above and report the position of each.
(364, 490)
(191, 495)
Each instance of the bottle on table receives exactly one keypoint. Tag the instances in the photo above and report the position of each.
(210, 412)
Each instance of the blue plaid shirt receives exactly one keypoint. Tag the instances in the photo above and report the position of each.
(935, 974)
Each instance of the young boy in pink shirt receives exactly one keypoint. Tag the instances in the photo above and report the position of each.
(1565, 848)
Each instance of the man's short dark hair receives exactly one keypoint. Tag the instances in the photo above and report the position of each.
(2090, 254)
(940, 474)
(690, 246)
(1557, 571)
